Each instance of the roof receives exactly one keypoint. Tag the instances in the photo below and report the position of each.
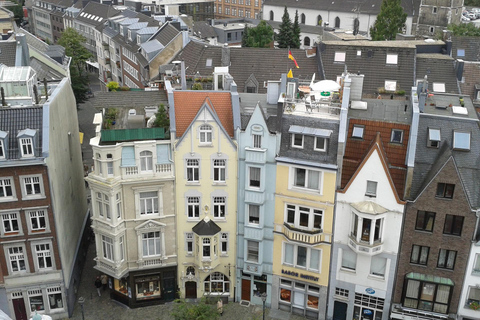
(128, 99)
(438, 68)
(96, 13)
(203, 30)
(206, 227)
(188, 103)
(133, 134)
(151, 46)
(14, 120)
(304, 28)
(166, 34)
(8, 51)
(471, 45)
(366, 7)
(369, 207)
(35, 42)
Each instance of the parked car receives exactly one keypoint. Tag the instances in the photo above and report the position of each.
(465, 19)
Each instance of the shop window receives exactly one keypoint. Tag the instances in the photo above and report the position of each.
(425, 221)
(368, 307)
(147, 287)
(121, 285)
(216, 283)
(453, 225)
(35, 298)
(55, 300)
(427, 296)
(259, 285)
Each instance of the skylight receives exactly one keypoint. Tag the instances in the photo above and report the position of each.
(340, 56)
(438, 87)
(461, 140)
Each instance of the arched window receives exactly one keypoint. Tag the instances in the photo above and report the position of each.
(306, 41)
(271, 15)
(146, 161)
(205, 133)
(302, 18)
(190, 271)
(337, 22)
(319, 20)
(216, 282)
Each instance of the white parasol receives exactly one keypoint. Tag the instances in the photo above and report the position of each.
(325, 85)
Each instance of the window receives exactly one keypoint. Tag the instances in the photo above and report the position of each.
(219, 170)
(98, 163)
(460, 52)
(473, 296)
(349, 259)
(432, 29)
(216, 282)
(446, 259)
(205, 134)
(11, 224)
(303, 217)
(254, 177)
(253, 214)
(359, 53)
(44, 257)
(390, 85)
(392, 58)
(319, 20)
(453, 225)
(252, 251)
(55, 297)
(371, 188)
(367, 230)
(301, 257)
(219, 207)
(16, 257)
(341, 292)
(146, 161)
(302, 18)
(419, 255)
(434, 10)
(193, 169)
(107, 248)
(297, 140)
(445, 190)
(397, 136)
(122, 248)
(425, 221)
(339, 56)
(206, 247)
(32, 186)
(193, 207)
(257, 141)
(118, 197)
(306, 41)
(271, 15)
(6, 190)
(320, 144)
(224, 243)
(103, 205)
(189, 242)
(433, 138)
(305, 178)
(427, 296)
(26, 146)
(461, 140)
(38, 221)
(337, 23)
(36, 300)
(2, 150)
(357, 131)
(151, 244)
(377, 266)
(439, 87)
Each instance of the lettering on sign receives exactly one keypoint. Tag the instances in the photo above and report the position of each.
(299, 275)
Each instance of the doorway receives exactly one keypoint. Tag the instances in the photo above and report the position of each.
(190, 290)
(339, 310)
(20, 311)
(246, 289)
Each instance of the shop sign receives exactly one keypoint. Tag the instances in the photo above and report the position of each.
(367, 312)
(299, 275)
(370, 291)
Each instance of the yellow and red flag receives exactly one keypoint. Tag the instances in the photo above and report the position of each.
(292, 58)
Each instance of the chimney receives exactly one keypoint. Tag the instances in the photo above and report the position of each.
(449, 47)
(422, 94)
(184, 78)
(459, 69)
(225, 57)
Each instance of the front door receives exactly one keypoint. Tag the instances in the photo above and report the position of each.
(20, 311)
(246, 289)
(190, 290)
(339, 310)
(169, 286)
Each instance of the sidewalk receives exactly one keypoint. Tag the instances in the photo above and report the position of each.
(96, 308)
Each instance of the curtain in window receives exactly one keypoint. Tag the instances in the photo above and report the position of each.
(349, 259)
(451, 259)
(412, 289)
(288, 258)
(442, 293)
(378, 265)
(314, 259)
(255, 174)
(313, 179)
(424, 255)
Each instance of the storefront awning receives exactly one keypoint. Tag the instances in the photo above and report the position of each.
(429, 278)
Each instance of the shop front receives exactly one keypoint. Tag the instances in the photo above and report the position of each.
(299, 297)
(253, 286)
(143, 288)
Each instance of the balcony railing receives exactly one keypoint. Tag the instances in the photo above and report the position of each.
(255, 155)
(365, 247)
(111, 269)
(306, 236)
(162, 170)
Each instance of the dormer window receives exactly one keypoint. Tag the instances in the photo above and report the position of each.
(397, 136)
(439, 87)
(26, 146)
(433, 138)
(357, 131)
(205, 134)
(392, 58)
(339, 56)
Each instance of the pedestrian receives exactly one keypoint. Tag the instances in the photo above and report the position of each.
(104, 280)
(220, 307)
(98, 285)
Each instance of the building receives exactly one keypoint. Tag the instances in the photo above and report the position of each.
(203, 125)
(42, 197)
(257, 148)
(132, 191)
(47, 18)
(250, 9)
(434, 17)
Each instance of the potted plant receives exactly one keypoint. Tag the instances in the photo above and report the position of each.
(474, 305)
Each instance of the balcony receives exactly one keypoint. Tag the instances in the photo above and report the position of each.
(365, 247)
(255, 155)
(160, 171)
(150, 262)
(304, 236)
(110, 268)
(107, 60)
(105, 45)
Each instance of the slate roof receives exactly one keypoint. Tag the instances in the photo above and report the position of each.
(366, 7)
(44, 71)
(371, 63)
(206, 228)
(437, 68)
(307, 153)
(187, 104)
(128, 99)
(471, 45)
(203, 30)
(99, 10)
(14, 120)
(166, 34)
(429, 160)
(8, 51)
(34, 42)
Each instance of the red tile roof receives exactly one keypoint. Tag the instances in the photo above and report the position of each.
(187, 104)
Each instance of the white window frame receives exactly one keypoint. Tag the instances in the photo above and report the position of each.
(393, 136)
(7, 184)
(253, 251)
(377, 265)
(438, 87)
(339, 56)
(359, 233)
(108, 248)
(192, 170)
(206, 243)
(148, 200)
(257, 141)
(146, 161)
(26, 147)
(298, 211)
(194, 203)
(118, 202)
(353, 266)
(219, 203)
(16, 256)
(34, 179)
(219, 170)
(324, 147)
(456, 136)
(43, 251)
(308, 172)
(371, 188)
(205, 132)
(392, 59)
(433, 140)
(155, 238)
(103, 205)
(249, 214)
(224, 237)
(294, 135)
(250, 173)
(308, 257)
(7, 219)
(37, 215)
(189, 238)
(390, 85)
(51, 291)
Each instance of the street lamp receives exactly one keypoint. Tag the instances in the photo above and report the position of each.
(264, 298)
(81, 301)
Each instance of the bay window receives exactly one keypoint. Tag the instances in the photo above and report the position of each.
(367, 230)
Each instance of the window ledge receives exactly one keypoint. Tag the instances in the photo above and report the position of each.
(33, 197)
(8, 199)
(206, 145)
(375, 277)
(348, 270)
(192, 183)
(300, 189)
(223, 183)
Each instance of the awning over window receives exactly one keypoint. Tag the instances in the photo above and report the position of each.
(310, 131)
(429, 278)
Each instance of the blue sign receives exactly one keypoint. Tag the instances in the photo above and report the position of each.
(367, 312)
(370, 291)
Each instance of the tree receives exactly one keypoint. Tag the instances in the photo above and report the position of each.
(285, 34)
(17, 9)
(259, 37)
(113, 86)
(296, 33)
(245, 35)
(464, 29)
(390, 21)
(198, 311)
(72, 41)
(161, 118)
(472, 3)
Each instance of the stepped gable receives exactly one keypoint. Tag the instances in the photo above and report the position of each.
(438, 68)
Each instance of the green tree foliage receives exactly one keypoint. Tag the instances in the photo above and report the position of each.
(259, 37)
(245, 35)
(17, 9)
(72, 41)
(472, 3)
(194, 311)
(296, 33)
(390, 21)
(285, 34)
(464, 29)
(161, 118)
(113, 86)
